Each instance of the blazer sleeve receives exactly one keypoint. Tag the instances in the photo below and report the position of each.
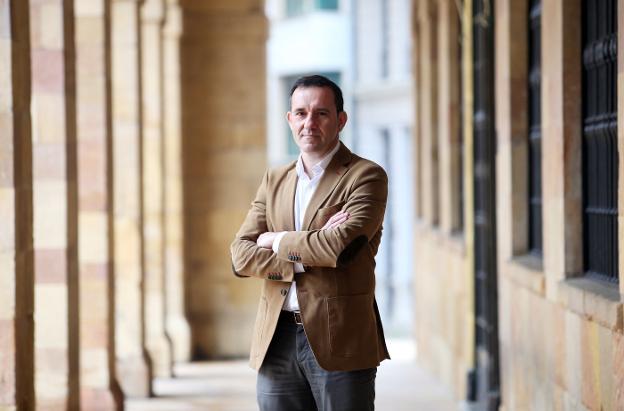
(366, 204)
(249, 260)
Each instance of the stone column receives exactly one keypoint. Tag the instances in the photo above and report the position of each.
(16, 245)
(152, 163)
(224, 156)
(512, 164)
(8, 274)
(512, 128)
(561, 142)
(54, 181)
(132, 367)
(177, 327)
(93, 135)
(449, 115)
(428, 102)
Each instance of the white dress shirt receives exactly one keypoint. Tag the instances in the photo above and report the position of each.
(306, 187)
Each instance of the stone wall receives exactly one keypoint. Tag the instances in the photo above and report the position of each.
(560, 334)
(442, 282)
(222, 52)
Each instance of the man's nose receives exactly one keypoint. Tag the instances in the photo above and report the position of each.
(310, 121)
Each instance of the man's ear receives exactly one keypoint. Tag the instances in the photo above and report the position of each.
(342, 120)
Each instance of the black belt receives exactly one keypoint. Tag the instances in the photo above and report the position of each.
(293, 317)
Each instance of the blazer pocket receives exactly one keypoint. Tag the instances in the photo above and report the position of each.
(259, 326)
(352, 325)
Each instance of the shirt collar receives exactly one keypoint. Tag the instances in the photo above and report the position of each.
(319, 167)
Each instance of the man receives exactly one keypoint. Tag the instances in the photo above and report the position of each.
(312, 234)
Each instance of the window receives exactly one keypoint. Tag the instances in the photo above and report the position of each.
(600, 157)
(326, 4)
(535, 128)
(294, 8)
(299, 7)
(385, 39)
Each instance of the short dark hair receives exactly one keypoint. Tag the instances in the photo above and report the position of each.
(319, 81)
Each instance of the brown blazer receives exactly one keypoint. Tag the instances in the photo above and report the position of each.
(336, 292)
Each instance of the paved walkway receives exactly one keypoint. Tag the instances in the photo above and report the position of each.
(230, 386)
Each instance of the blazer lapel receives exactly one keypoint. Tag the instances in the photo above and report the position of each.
(287, 216)
(332, 175)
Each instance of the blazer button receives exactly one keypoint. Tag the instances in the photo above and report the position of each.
(284, 292)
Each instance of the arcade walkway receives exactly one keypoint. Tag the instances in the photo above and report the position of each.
(230, 386)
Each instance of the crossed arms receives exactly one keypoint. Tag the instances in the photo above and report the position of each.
(337, 242)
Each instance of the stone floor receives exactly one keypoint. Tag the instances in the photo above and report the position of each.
(230, 386)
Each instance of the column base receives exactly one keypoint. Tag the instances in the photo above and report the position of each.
(134, 377)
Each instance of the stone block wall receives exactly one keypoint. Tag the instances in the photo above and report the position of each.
(443, 303)
(224, 158)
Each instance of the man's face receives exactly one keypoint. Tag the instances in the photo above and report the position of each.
(313, 119)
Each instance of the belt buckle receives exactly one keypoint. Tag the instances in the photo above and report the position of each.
(297, 317)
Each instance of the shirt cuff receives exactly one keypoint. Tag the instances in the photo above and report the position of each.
(277, 240)
(299, 268)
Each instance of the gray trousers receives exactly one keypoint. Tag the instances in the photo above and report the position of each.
(290, 379)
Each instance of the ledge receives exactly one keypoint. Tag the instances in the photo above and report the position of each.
(593, 299)
(456, 242)
(453, 241)
(527, 271)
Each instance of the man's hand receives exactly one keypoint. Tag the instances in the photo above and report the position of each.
(265, 240)
(335, 220)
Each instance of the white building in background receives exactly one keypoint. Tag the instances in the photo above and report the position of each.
(363, 45)
(383, 116)
(306, 37)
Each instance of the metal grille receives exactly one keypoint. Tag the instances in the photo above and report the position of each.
(487, 391)
(600, 158)
(535, 128)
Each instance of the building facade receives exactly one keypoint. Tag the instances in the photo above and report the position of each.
(305, 37)
(519, 112)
